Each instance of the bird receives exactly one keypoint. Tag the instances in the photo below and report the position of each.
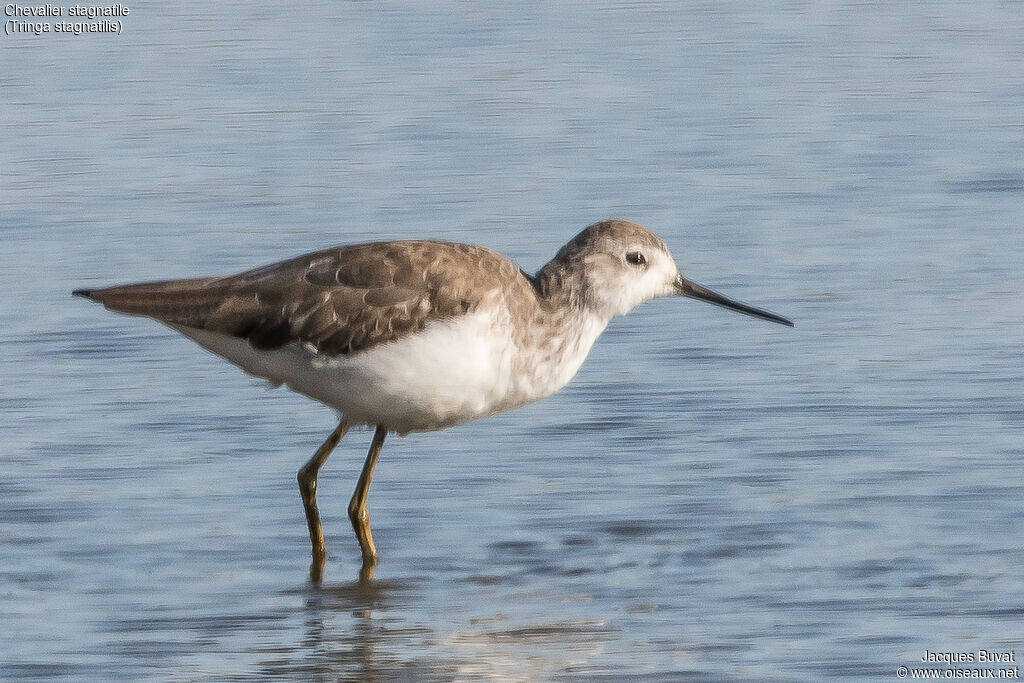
(416, 335)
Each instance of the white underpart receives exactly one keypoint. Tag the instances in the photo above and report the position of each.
(451, 372)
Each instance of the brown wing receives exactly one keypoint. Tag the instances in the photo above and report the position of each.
(338, 301)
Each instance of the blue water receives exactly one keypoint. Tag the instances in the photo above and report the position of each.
(713, 497)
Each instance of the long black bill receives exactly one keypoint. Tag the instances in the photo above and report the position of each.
(691, 289)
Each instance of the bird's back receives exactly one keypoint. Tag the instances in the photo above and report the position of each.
(338, 301)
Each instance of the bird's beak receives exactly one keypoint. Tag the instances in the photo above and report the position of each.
(684, 287)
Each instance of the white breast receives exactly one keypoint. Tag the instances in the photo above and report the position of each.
(451, 372)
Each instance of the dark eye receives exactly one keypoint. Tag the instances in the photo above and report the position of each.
(636, 258)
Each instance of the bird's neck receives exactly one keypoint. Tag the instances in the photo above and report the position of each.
(561, 290)
(562, 331)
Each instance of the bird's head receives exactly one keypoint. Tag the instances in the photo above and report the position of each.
(613, 266)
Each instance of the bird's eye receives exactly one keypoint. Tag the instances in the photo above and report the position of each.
(636, 258)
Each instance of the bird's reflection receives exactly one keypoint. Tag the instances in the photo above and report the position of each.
(343, 629)
(362, 631)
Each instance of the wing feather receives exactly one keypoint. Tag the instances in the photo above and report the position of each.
(338, 301)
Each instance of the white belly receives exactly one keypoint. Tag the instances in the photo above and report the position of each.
(451, 372)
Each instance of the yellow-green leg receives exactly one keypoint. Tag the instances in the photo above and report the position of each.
(357, 511)
(307, 487)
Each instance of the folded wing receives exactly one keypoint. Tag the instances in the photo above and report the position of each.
(337, 301)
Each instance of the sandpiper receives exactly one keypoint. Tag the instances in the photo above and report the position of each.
(415, 335)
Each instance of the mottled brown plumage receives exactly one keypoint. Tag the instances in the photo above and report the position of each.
(336, 301)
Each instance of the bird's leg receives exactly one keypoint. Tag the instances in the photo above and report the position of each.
(357, 511)
(307, 487)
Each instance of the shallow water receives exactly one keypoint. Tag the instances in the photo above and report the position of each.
(713, 497)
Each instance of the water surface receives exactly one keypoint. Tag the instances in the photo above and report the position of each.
(713, 497)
